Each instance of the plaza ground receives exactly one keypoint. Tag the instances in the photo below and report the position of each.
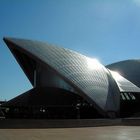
(84, 133)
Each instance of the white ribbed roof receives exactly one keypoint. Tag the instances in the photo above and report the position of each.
(84, 73)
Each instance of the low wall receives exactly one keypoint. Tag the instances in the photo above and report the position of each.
(42, 123)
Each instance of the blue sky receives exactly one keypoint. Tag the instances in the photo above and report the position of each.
(105, 29)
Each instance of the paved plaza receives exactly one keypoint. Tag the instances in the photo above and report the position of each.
(87, 133)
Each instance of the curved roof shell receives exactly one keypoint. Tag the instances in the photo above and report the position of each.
(89, 77)
(124, 84)
(129, 69)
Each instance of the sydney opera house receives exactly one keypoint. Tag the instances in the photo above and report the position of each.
(67, 84)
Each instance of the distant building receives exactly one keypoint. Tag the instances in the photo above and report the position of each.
(67, 84)
(2, 116)
(2, 102)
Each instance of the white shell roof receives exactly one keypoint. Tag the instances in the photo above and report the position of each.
(84, 73)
